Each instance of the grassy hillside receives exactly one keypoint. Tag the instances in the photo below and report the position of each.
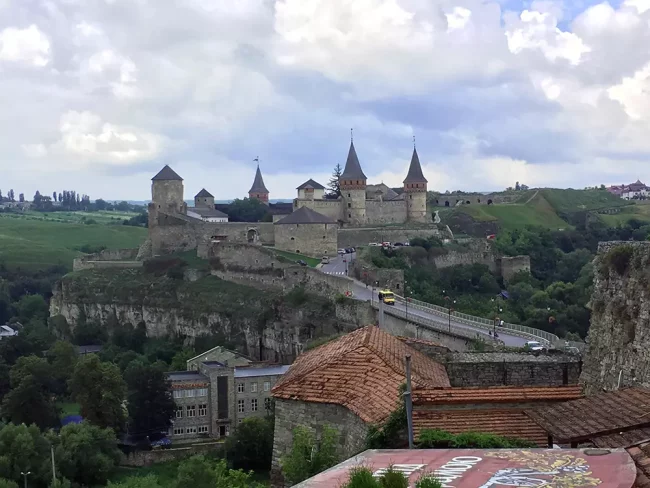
(32, 243)
(639, 211)
(570, 201)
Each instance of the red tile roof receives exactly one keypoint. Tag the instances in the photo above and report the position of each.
(641, 456)
(507, 423)
(496, 394)
(596, 415)
(362, 371)
(420, 341)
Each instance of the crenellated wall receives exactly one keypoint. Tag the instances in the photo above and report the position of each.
(362, 236)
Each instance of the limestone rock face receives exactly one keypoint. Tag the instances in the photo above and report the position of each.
(618, 343)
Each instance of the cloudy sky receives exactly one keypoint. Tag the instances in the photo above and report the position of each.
(97, 95)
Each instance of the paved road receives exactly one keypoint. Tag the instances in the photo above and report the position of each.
(337, 266)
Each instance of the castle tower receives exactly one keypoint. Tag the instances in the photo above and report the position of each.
(204, 199)
(259, 190)
(415, 191)
(353, 189)
(167, 192)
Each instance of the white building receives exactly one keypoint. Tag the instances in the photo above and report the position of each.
(311, 190)
(6, 331)
(207, 214)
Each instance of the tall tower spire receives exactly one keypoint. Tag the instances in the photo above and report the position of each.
(415, 190)
(353, 188)
(259, 190)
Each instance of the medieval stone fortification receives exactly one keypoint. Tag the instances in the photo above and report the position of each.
(618, 344)
(315, 227)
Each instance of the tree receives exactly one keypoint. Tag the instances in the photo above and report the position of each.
(149, 481)
(150, 403)
(54, 196)
(199, 472)
(179, 361)
(334, 185)
(30, 400)
(37, 198)
(251, 446)
(100, 390)
(10, 196)
(0, 195)
(307, 456)
(247, 210)
(21, 197)
(32, 307)
(23, 448)
(100, 204)
(63, 358)
(7, 483)
(85, 454)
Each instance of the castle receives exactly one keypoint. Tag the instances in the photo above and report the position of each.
(313, 224)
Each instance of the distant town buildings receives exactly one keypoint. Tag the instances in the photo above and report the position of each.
(633, 191)
(219, 389)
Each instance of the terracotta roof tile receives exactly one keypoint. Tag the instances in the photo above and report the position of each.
(622, 439)
(362, 371)
(596, 415)
(507, 423)
(420, 341)
(641, 456)
(497, 394)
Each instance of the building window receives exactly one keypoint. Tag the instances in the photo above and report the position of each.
(267, 385)
(203, 410)
(349, 205)
(411, 197)
(179, 412)
(179, 430)
(191, 430)
(240, 406)
(267, 403)
(349, 215)
(240, 387)
(254, 387)
(254, 405)
(293, 238)
(203, 429)
(348, 195)
(189, 393)
(178, 393)
(191, 410)
(240, 421)
(202, 392)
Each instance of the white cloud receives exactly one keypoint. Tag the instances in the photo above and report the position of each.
(29, 46)
(641, 5)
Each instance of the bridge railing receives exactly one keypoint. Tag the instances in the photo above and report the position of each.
(483, 323)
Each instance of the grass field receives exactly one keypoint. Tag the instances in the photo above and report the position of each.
(102, 217)
(69, 409)
(311, 262)
(33, 243)
(568, 200)
(639, 211)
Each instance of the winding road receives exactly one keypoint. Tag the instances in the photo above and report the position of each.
(338, 266)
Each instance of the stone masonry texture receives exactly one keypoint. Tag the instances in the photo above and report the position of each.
(290, 414)
(618, 343)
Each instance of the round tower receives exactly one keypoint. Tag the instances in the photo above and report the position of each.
(167, 191)
(259, 190)
(353, 190)
(415, 192)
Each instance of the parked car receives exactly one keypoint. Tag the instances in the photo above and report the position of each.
(398, 244)
(341, 251)
(325, 260)
(373, 244)
(301, 262)
(534, 346)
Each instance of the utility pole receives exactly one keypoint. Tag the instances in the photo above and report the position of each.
(25, 476)
(53, 466)
(409, 402)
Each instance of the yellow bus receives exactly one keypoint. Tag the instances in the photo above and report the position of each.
(387, 296)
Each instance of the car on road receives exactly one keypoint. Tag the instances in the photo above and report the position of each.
(374, 244)
(325, 260)
(398, 244)
(387, 296)
(534, 346)
(301, 262)
(349, 250)
(341, 251)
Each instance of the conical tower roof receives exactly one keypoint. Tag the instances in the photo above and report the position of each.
(415, 170)
(258, 183)
(352, 169)
(167, 174)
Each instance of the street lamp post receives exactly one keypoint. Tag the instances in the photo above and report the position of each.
(406, 299)
(497, 311)
(450, 309)
(25, 476)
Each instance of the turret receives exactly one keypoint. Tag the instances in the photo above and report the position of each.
(259, 190)
(204, 199)
(415, 191)
(167, 192)
(353, 189)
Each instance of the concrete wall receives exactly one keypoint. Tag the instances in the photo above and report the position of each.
(329, 208)
(310, 239)
(388, 212)
(361, 236)
(290, 414)
(494, 369)
(147, 458)
(510, 266)
(400, 327)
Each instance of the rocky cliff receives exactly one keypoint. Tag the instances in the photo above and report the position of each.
(199, 304)
(618, 343)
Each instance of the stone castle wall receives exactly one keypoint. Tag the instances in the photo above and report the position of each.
(479, 251)
(167, 195)
(618, 343)
(473, 198)
(290, 414)
(510, 266)
(385, 212)
(361, 236)
(329, 208)
(124, 258)
(310, 239)
(507, 369)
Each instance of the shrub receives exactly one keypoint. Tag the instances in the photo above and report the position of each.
(393, 479)
(361, 477)
(428, 481)
(434, 439)
(309, 457)
(296, 297)
(160, 265)
(619, 258)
